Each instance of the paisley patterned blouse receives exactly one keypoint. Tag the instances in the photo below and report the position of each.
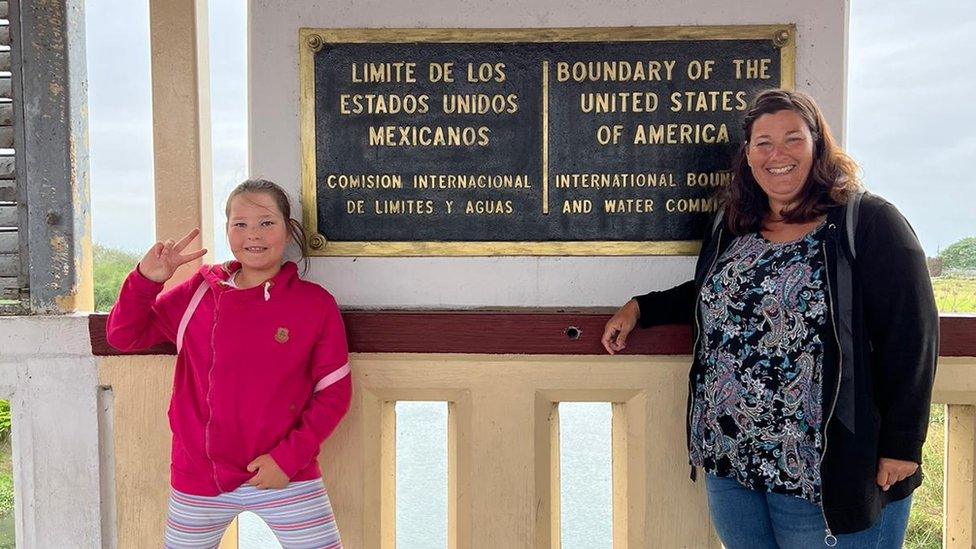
(757, 414)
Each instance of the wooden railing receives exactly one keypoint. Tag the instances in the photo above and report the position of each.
(503, 375)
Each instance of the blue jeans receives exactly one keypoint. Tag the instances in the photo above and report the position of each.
(747, 519)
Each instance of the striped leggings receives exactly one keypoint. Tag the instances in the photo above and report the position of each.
(300, 516)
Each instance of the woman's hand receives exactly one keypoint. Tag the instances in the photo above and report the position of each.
(891, 471)
(619, 327)
(162, 260)
(269, 475)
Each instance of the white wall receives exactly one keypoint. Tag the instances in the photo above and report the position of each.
(274, 142)
(49, 375)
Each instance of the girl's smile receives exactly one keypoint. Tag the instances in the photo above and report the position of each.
(258, 235)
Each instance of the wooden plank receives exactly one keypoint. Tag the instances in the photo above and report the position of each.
(5, 89)
(229, 541)
(958, 513)
(8, 242)
(6, 114)
(181, 120)
(11, 308)
(8, 215)
(6, 137)
(464, 332)
(140, 394)
(8, 190)
(52, 154)
(5, 35)
(9, 288)
(5, 61)
(9, 265)
(623, 442)
(8, 169)
(4, 10)
(957, 335)
(100, 346)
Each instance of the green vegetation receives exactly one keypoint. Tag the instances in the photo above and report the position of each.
(111, 268)
(955, 289)
(6, 480)
(955, 294)
(4, 419)
(961, 255)
(952, 295)
(925, 522)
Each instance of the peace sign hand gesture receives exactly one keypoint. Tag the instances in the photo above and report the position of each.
(162, 260)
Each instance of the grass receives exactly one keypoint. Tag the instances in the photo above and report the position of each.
(955, 294)
(6, 493)
(952, 295)
(111, 268)
(925, 522)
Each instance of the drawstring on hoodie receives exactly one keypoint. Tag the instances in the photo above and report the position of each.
(232, 282)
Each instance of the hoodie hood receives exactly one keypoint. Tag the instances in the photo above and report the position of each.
(219, 276)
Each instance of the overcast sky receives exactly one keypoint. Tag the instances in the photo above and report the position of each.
(911, 113)
(120, 120)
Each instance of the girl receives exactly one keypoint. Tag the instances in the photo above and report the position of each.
(261, 376)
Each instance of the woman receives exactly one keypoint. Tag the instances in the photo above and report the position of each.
(814, 349)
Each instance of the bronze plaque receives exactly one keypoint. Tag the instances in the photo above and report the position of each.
(527, 141)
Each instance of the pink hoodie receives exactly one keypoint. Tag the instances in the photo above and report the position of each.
(258, 371)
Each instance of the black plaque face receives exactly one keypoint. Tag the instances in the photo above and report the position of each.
(545, 142)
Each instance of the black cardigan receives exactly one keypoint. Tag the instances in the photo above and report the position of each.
(878, 370)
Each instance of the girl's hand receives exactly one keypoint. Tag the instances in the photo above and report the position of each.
(619, 327)
(891, 471)
(162, 260)
(269, 475)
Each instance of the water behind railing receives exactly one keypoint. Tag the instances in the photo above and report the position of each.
(586, 511)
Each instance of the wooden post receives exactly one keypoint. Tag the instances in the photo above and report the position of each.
(959, 520)
(48, 109)
(230, 539)
(619, 476)
(181, 122)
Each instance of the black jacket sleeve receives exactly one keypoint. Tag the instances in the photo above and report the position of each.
(902, 323)
(674, 306)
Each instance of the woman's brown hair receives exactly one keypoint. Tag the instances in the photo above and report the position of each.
(280, 197)
(832, 179)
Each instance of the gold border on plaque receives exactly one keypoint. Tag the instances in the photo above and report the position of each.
(311, 40)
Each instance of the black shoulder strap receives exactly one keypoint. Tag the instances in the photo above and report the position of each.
(850, 221)
(851, 214)
(717, 222)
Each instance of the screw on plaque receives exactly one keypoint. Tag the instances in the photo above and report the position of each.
(781, 38)
(315, 42)
(317, 242)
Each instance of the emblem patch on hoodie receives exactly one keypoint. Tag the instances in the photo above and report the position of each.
(281, 336)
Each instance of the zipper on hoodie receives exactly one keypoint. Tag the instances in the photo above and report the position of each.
(210, 382)
(694, 346)
(829, 539)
